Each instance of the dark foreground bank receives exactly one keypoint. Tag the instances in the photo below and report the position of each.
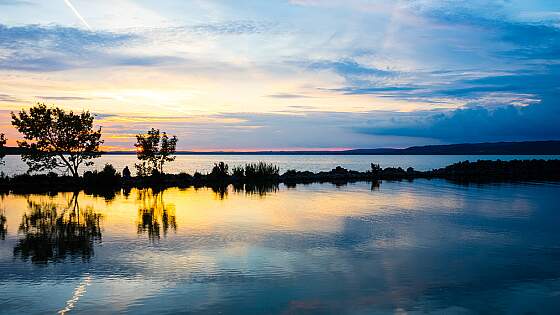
(263, 174)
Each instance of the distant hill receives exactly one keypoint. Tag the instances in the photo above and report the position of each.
(489, 148)
(12, 151)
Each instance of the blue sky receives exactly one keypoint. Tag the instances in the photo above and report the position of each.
(287, 74)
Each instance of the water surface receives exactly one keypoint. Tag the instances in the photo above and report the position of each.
(315, 163)
(400, 247)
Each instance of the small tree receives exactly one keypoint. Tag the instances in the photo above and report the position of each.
(154, 149)
(55, 138)
(2, 149)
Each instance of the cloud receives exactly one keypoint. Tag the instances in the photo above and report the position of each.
(15, 2)
(8, 98)
(52, 48)
(59, 38)
(374, 90)
(477, 123)
(349, 68)
(288, 96)
(525, 39)
(300, 128)
(38, 48)
(529, 109)
(63, 98)
(230, 28)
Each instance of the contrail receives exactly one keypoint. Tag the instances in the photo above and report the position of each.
(69, 4)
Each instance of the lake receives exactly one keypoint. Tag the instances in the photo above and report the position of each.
(315, 163)
(419, 247)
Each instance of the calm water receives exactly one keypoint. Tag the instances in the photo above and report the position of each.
(418, 247)
(204, 163)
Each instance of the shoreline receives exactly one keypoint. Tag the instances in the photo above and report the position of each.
(542, 147)
(481, 171)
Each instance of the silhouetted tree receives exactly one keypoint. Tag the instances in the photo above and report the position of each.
(154, 150)
(2, 149)
(55, 138)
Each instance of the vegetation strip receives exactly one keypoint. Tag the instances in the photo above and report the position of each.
(265, 174)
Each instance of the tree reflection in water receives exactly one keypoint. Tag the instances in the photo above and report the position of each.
(221, 191)
(154, 214)
(260, 189)
(51, 235)
(3, 221)
(3, 225)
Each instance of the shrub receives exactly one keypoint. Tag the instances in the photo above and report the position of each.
(184, 176)
(261, 171)
(238, 171)
(376, 169)
(339, 170)
(107, 176)
(291, 173)
(220, 170)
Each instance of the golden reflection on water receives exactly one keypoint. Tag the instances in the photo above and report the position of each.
(204, 210)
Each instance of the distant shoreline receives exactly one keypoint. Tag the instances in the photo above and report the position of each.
(551, 147)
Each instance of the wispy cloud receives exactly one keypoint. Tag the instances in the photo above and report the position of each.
(52, 48)
(287, 96)
(63, 98)
(349, 68)
(8, 98)
(15, 2)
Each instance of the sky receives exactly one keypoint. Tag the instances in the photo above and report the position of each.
(288, 74)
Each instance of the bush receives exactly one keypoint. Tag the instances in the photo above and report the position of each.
(339, 170)
(376, 169)
(290, 173)
(108, 171)
(261, 171)
(184, 176)
(238, 171)
(108, 176)
(220, 170)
